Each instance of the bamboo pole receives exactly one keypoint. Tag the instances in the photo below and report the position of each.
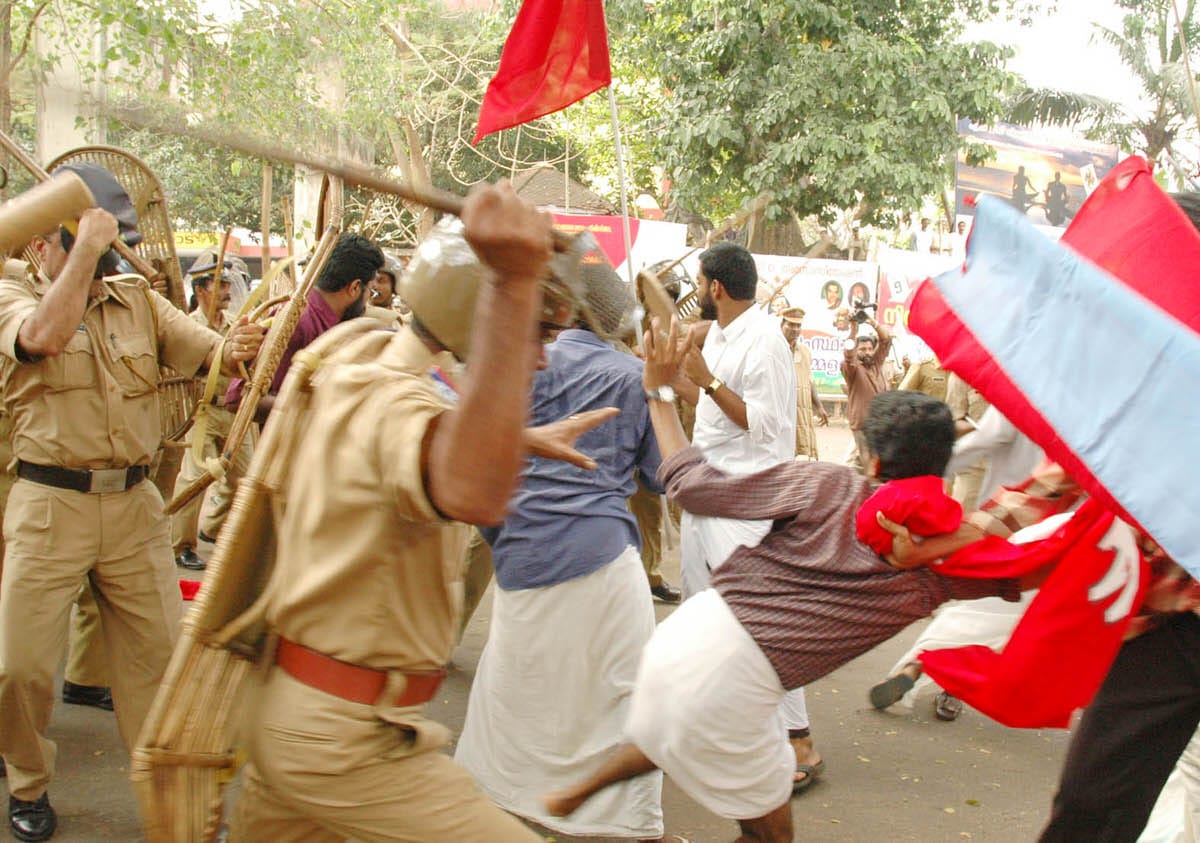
(142, 266)
(214, 286)
(352, 174)
(264, 369)
(265, 222)
(289, 234)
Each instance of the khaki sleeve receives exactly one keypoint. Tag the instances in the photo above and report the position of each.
(183, 344)
(956, 397)
(17, 303)
(913, 378)
(408, 415)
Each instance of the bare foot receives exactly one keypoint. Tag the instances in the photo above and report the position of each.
(562, 803)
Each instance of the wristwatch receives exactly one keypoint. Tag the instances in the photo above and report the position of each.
(662, 393)
(712, 388)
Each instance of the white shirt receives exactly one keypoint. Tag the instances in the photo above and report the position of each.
(753, 359)
(1012, 456)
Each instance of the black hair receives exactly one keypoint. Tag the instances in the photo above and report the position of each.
(911, 433)
(1189, 203)
(354, 258)
(733, 266)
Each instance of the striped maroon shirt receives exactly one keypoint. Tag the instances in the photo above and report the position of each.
(811, 595)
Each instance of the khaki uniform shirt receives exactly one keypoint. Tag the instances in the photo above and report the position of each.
(96, 404)
(369, 572)
(806, 433)
(964, 400)
(220, 420)
(927, 377)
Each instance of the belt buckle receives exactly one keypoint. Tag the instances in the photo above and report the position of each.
(107, 480)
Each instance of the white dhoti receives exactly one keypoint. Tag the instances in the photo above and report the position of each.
(706, 711)
(706, 542)
(551, 696)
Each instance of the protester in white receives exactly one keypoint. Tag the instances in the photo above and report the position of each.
(743, 383)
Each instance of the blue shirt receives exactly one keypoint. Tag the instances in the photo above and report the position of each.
(566, 521)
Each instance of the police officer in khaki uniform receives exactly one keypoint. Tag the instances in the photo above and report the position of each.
(367, 590)
(205, 514)
(967, 406)
(80, 357)
(808, 403)
(929, 377)
(86, 678)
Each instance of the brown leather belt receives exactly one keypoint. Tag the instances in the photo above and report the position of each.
(350, 681)
(85, 480)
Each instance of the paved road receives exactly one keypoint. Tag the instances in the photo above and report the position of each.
(891, 776)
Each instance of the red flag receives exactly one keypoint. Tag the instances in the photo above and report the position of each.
(1116, 338)
(1065, 641)
(556, 54)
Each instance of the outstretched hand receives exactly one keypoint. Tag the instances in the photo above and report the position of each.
(664, 354)
(556, 441)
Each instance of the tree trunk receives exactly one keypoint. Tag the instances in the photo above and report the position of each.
(6, 8)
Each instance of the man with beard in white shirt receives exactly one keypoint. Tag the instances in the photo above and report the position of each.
(742, 380)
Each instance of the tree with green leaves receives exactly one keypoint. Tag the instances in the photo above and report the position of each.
(832, 105)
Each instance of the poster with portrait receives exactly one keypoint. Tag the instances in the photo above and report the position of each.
(1045, 173)
(827, 291)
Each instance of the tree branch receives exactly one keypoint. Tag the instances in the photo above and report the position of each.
(25, 41)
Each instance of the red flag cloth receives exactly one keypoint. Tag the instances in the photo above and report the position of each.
(189, 589)
(1131, 229)
(556, 54)
(919, 503)
(1065, 642)
(1134, 232)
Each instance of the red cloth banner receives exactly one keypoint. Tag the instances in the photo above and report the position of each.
(556, 54)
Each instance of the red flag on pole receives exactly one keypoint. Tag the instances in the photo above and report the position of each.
(556, 54)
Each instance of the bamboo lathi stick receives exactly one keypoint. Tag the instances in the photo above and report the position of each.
(265, 222)
(143, 267)
(264, 369)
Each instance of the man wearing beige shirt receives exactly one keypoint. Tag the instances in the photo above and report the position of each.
(367, 590)
(80, 351)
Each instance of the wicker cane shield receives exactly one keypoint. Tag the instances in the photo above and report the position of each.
(177, 395)
(186, 752)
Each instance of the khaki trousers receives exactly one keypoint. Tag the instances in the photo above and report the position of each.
(323, 770)
(206, 513)
(967, 485)
(86, 662)
(477, 573)
(862, 451)
(647, 508)
(55, 537)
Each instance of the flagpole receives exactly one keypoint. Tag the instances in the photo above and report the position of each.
(612, 105)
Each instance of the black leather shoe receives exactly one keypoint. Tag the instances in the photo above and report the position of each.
(187, 558)
(666, 593)
(97, 696)
(34, 820)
